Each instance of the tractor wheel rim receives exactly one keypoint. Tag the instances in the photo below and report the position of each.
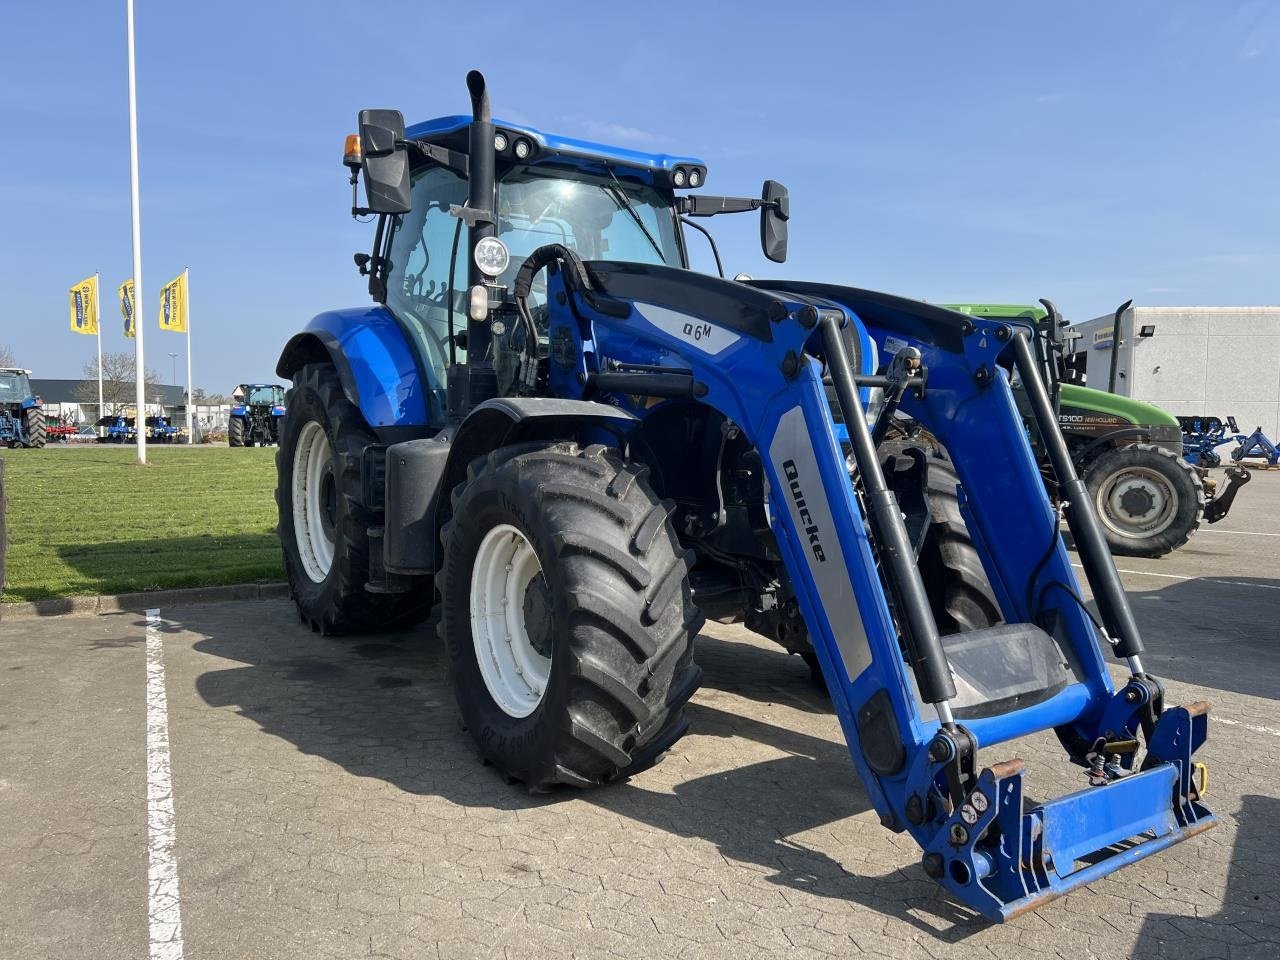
(1137, 503)
(314, 501)
(514, 671)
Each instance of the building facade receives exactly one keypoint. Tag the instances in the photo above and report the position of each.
(1206, 361)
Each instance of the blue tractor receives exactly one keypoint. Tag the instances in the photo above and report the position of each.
(22, 421)
(577, 448)
(256, 413)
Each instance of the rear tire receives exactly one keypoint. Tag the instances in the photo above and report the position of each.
(324, 525)
(235, 432)
(1149, 500)
(37, 431)
(606, 621)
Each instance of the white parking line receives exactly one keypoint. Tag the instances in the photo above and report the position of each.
(1248, 726)
(163, 911)
(1242, 533)
(1178, 576)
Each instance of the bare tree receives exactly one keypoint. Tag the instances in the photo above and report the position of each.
(212, 399)
(118, 383)
(6, 355)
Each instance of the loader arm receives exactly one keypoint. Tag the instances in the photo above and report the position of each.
(915, 708)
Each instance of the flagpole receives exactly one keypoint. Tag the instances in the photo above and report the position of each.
(140, 399)
(97, 312)
(191, 400)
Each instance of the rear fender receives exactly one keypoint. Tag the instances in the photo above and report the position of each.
(376, 365)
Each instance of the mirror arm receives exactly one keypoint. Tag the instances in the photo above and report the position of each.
(701, 205)
(450, 159)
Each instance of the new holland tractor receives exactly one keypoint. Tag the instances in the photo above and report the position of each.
(256, 413)
(578, 449)
(1150, 499)
(21, 412)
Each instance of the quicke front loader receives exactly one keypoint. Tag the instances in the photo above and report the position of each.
(578, 448)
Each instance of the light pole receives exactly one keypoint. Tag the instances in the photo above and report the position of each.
(173, 361)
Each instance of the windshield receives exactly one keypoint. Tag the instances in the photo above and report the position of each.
(598, 217)
(14, 386)
(270, 396)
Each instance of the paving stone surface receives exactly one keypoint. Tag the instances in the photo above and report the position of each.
(329, 806)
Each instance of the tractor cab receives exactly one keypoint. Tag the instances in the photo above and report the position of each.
(457, 223)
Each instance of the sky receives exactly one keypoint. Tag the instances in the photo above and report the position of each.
(1088, 153)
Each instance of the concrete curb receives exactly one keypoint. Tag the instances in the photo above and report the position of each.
(133, 602)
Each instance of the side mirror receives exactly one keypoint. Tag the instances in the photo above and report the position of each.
(385, 161)
(773, 221)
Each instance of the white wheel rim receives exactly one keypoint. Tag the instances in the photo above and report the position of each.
(1137, 485)
(314, 496)
(513, 669)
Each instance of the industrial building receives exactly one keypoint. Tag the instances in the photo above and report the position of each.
(1208, 361)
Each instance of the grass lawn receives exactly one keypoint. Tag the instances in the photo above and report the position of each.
(91, 520)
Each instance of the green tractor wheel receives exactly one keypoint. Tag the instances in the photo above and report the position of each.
(1149, 499)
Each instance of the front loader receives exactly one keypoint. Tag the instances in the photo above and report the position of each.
(579, 449)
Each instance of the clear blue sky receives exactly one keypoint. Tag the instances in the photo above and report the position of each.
(994, 151)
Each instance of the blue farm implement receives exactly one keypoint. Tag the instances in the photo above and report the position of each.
(162, 430)
(584, 458)
(116, 428)
(256, 415)
(1256, 444)
(22, 421)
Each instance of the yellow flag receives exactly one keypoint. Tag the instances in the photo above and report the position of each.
(84, 306)
(173, 305)
(125, 292)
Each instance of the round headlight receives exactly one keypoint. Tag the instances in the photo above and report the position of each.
(695, 177)
(491, 256)
(678, 177)
(523, 149)
(499, 142)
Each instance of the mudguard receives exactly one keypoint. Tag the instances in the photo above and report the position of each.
(419, 471)
(376, 365)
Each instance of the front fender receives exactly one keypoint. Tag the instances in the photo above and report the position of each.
(376, 365)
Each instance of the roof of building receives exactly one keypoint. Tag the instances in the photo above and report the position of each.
(64, 391)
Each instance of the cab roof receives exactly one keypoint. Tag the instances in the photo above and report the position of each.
(443, 129)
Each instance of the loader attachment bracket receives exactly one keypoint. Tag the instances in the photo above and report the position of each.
(1003, 855)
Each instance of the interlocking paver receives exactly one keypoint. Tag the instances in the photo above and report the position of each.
(323, 812)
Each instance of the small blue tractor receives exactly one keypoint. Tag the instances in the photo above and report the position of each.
(256, 413)
(578, 449)
(116, 428)
(21, 412)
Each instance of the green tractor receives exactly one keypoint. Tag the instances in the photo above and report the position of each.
(1129, 454)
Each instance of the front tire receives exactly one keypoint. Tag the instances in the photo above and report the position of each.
(324, 525)
(1149, 500)
(567, 615)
